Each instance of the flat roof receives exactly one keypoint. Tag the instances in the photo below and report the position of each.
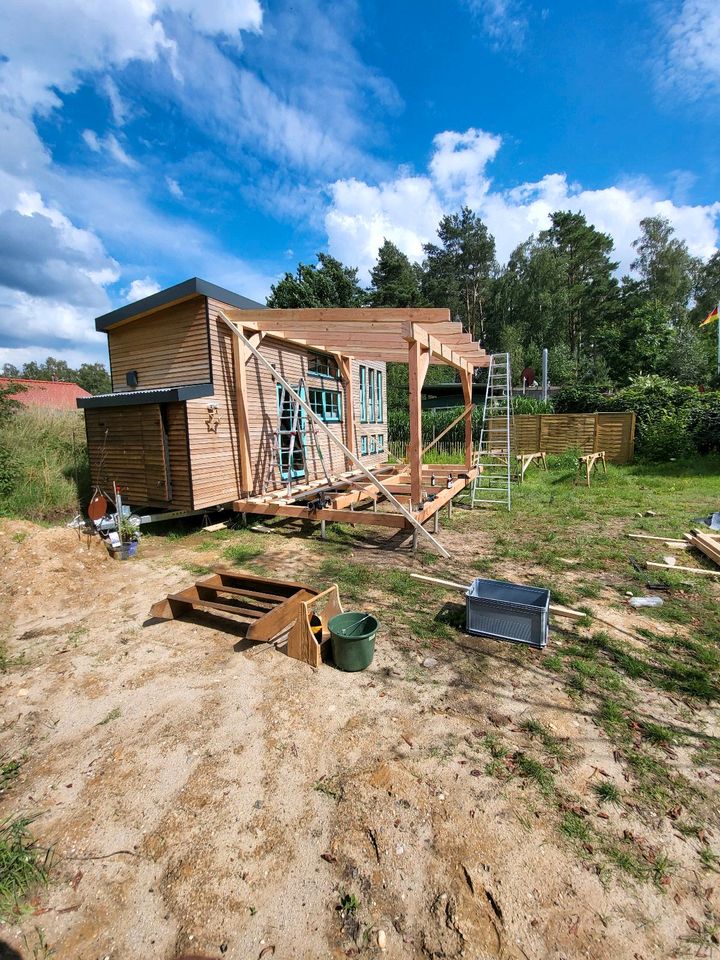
(161, 395)
(180, 291)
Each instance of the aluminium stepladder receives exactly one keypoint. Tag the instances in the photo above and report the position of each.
(491, 486)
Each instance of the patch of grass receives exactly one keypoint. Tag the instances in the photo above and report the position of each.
(113, 715)
(353, 579)
(657, 734)
(574, 827)
(9, 771)
(708, 859)
(532, 769)
(197, 569)
(607, 792)
(496, 747)
(240, 553)
(553, 746)
(23, 865)
(45, 465)
(623, 857)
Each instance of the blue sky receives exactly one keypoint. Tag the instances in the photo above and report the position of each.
(143, 142)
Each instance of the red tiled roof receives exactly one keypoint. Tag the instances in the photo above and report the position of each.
(46, 393)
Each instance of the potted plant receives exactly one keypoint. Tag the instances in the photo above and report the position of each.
(129, 538)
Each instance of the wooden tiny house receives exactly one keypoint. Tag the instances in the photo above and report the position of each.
(208, 387)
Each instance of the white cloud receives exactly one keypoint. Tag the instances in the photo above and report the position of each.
(228, 17)
(692, 62)
(406, 209)
(139, 289)
(504, 21)
(119, 108)
(174, 188)
(39, 352)
(109, 144)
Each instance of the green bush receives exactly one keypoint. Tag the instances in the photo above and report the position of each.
(580, 398)
(704, 423)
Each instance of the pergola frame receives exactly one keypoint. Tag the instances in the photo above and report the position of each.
(416, 336)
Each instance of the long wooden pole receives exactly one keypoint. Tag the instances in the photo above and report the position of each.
(555, 609)
(334, 439)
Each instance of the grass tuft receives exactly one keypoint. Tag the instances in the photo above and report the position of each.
(23, 865)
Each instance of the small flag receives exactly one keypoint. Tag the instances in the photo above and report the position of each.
(713, 315)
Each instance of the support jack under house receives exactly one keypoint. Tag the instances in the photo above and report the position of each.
(217, 399)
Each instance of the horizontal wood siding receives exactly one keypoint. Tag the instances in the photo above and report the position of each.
(168, 348)
(214, 459)
(125, 446)
(588, 432)
(176, 420)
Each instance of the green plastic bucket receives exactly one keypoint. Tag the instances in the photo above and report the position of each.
(352, 638)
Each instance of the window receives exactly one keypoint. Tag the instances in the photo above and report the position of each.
(323, 366)
(363, 394)
(379, 397)
(363, 446)
(380, 442)
(372, 444)
(371, 396)
(325, 404)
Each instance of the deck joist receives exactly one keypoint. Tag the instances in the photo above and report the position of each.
(351, 498)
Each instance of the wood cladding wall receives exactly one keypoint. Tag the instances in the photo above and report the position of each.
(127, 445)
(167, 349)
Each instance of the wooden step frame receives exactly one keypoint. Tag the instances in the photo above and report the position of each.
(270, 606)
(303, 644)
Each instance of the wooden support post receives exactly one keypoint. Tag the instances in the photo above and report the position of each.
(240, 355)
(466, 381)
(418, 362)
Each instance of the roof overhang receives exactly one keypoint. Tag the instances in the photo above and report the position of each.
(171, 295)
(370, 333)
(133, 397)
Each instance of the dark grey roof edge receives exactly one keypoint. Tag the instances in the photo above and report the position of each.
(178, 292)
(131, 397)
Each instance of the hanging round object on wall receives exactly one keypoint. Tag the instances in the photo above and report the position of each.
(97, 508)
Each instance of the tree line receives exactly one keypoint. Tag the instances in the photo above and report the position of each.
(92, 377)
(559, 289)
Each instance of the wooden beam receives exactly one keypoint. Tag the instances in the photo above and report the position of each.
(333, 315)
(240, 356)
(418, 360)
(677, 569)
(448, 428)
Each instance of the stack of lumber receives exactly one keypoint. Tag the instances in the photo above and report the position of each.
(707, 542)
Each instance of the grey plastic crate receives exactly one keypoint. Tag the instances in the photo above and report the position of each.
(507, 611)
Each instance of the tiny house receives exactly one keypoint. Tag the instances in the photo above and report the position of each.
(168, 432)
(218, 401)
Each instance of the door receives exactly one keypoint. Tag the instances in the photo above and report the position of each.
(291, 442)
(128, 445)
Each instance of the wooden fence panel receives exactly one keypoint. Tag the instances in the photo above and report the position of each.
(588, 432)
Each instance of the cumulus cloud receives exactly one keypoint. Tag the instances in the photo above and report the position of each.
(174, 188)
(406, 208)
(139, 289)
(692, 61)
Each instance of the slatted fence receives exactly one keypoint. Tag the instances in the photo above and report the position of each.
(588, 432)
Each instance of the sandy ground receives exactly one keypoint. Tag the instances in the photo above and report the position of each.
(209, 797)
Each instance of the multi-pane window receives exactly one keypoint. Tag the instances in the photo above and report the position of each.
(326, 404)
(371, 395)
(380, 442)
(363, 446)
(323, 366)
(363, 394)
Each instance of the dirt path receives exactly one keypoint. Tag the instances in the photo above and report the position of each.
(211, 797)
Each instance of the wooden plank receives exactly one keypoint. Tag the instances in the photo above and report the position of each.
(280, 619)
(698, 570)
(338, 516)
(418, 360)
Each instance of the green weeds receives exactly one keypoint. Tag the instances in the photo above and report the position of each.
(23, 865)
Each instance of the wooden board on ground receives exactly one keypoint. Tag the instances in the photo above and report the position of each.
(699, 570)
(555, 609)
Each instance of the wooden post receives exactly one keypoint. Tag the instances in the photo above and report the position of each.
(418, 363)
(345, 366)
(466, 381)
(240, 356)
